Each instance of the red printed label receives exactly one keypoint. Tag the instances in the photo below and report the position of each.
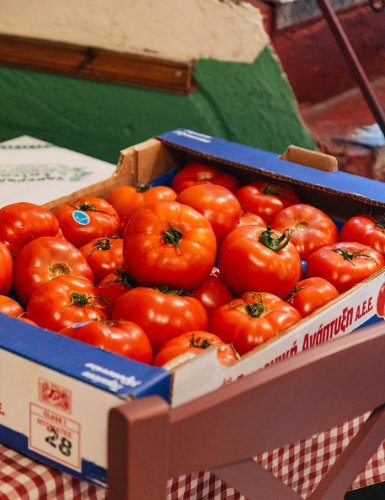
(55, 395)
(54, 436)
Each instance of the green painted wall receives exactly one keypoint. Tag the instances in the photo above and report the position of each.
(248, 103)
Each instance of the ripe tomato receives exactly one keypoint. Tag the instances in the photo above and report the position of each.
(104, 255)
(199, 173)
(22, 222)
(121, 337)
(249, 219)
(217, 204)
(213, 292)
(87, 218)
(25, 319)
(344, 264)
(6, 269)
(10, 307)
(167, 243)
(127, 199)
(163, 315)
(114, 285)
(253, 319)
(253, 258)
(63, 301)
(266, 198)
(312, 228)
(380, 302)
(366, 229)
(310, 294)
(43, 259)
(195, 342)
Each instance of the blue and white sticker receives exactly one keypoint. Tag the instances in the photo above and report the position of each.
(81, 217)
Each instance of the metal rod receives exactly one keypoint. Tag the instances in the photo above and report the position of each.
(353, 62)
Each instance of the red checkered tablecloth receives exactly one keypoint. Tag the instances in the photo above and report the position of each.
(301, 466)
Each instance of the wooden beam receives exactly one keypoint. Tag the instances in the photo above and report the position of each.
(96, 63)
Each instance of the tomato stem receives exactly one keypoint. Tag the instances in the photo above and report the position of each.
(273, 241)
(165, 289)
(349, 255)
(172, 236)
(379, 220)
(292, 294)
(80, 299)
(199, 342)
(142, 188)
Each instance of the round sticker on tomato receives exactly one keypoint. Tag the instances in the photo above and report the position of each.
(81, 217)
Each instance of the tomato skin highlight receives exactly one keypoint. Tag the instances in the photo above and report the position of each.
(162, 315)
(63, 301)
(167, 243)
(344, 264)
(310, 294)
(121, 337)
(100, 220)
(217, 204)
(312, 228)
(23, 221)
(252, 320)
(44, 258)
(366, 230)
(199, 173)
(265, 198)
(257, 266)
(194, 342)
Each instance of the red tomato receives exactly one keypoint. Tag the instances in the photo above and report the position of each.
(312, 228)
(43, 259)
(167, 243)
(344, 264)
(213, 292)
(266, 198)
(10, 307)
(380, 303)
(196, 343)
(217, 204)
(127, 199)
(249, 219)
(63, 301)
(366, 229)
(252, 320)
(114, 285)
(199, 173)
(6, 269)
(25, 319)
(255, 258)
(22, 222)
(163, 315)
(87, 218)
(310, 294)
(121, 337)
(104, 256)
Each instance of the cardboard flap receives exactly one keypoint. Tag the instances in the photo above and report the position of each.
(308, 158)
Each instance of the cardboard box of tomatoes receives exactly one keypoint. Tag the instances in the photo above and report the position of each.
(55, 392)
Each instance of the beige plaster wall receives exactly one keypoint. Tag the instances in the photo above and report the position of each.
(225, 30)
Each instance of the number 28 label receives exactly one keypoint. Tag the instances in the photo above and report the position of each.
(54, 436)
